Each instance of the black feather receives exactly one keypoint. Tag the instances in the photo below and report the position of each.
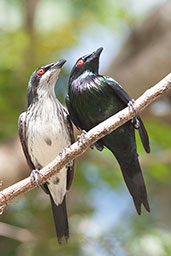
(144, 136)
(135, 183)
(92, 99)
(60, 219)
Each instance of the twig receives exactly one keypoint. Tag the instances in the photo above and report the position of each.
(19, 234)
(79, 147)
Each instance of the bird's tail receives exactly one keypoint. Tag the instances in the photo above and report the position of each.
(135, 182)
(60, 219)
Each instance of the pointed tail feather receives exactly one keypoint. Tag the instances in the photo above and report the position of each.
(134, 180)
(60, 219)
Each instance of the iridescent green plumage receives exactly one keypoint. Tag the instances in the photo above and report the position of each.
(91, 99)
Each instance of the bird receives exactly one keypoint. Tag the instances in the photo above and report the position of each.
(45, 129)
(91, 99)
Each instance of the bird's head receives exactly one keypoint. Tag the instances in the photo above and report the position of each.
(88, 63)
(43, 79)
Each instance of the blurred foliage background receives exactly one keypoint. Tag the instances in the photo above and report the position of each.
(137, 41)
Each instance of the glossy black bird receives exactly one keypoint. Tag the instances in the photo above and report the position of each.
(45, 130)
(91, 99)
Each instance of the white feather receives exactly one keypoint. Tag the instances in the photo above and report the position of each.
(47, 136)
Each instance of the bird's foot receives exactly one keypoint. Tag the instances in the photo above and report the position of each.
(131, 105)
(70, 164)
(92, 146)
(63, 151)
(135, 123)
(81, 138)
(97, 146)
(34, 177)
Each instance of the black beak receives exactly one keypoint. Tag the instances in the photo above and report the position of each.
(58, 64)
(95, 54)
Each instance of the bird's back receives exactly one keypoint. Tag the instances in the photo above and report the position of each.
(94, 102)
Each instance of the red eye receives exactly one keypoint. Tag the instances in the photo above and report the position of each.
(80, 63)
(40, 71)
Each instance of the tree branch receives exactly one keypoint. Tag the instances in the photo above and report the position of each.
(78, 148)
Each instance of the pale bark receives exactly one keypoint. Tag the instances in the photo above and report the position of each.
(79, 147)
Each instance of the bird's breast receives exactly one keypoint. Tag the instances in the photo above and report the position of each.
(46, 136)
(93, 104)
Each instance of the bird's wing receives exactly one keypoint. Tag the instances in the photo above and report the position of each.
(120, 92)
(72, 113)
(144, 135)
(70, 170)
(69, 124)
(22, 135)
